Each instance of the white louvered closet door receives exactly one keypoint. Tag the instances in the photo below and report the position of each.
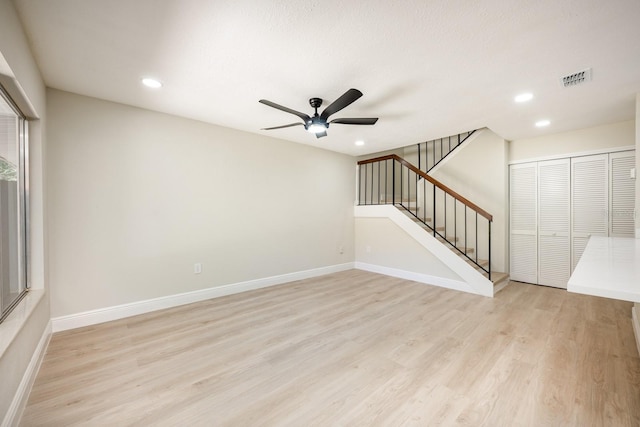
(622, 200)
(554, 260)
(589, 201)
(523, 186)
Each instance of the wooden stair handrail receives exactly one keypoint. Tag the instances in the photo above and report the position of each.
(432, 180)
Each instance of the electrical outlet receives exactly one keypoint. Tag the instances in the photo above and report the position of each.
(368, 249)
(197, 268)
(341, 249)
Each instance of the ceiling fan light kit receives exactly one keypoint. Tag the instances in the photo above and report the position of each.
(318, 124)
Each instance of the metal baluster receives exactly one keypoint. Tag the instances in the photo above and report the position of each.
(365, 184)
(424, 202)
(434, 153)
(386, 181)
(476, 237)
(417, 176)
(359, 184)
(434, 210)
(445, 215)
(455, 222)
(465, 225)
(379, 182)
(401, 183)
(372, 166)
(393, 182)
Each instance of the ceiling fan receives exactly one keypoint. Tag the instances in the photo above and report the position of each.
(318, 124)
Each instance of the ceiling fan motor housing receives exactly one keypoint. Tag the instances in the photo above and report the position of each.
(315, 103)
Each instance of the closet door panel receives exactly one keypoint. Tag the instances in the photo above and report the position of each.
(523, 221)
(622, 200)
(554, 261)
(589, 198)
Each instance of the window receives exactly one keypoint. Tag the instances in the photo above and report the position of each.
(13, 205)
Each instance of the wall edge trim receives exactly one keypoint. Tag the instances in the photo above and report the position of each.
(107, 314)
(14, 414)
(443, 282)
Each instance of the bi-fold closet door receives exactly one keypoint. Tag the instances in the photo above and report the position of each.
(540, 209)
(523, 208)
(556, 205)
(623, 191)
(589, 201)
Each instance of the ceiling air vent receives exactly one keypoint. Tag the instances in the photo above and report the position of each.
(577, 78)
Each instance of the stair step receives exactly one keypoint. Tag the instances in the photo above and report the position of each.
(461, 248)
(498, 276)
(482, 262)
(500, 281)
(398, 201)
(420, 220)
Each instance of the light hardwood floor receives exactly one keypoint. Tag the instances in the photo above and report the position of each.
(351, 348)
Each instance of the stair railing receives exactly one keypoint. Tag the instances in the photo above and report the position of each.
(450, 217)
(434, 151)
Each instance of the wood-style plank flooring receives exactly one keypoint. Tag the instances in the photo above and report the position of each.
(352, 348)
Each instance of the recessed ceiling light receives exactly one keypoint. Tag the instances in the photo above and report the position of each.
(523, 97)
(152, 83)
(359, 142)
(542, 123)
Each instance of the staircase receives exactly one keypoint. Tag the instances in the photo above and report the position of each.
(456, 222)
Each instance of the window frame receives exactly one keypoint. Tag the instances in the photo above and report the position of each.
(23, 212)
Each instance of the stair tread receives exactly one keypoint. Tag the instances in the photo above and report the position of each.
(482, 262)
(498, 276)
(420, 219)
(461, 248)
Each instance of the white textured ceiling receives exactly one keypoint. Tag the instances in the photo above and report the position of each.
(427, 68)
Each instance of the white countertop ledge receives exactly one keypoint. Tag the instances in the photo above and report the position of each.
(610, 268)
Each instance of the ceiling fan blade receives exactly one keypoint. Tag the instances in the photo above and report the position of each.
(303, 116)
(346, 99)
(321, 134)
(358, 121)
(284, 126)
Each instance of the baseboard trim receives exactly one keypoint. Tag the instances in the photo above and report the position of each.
(107, 314)
(636, 326)
(14, 414)
(442, 282)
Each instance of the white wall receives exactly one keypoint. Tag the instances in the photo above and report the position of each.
(382, 243)
(584, 140)
(138, 197)
(21, 333)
